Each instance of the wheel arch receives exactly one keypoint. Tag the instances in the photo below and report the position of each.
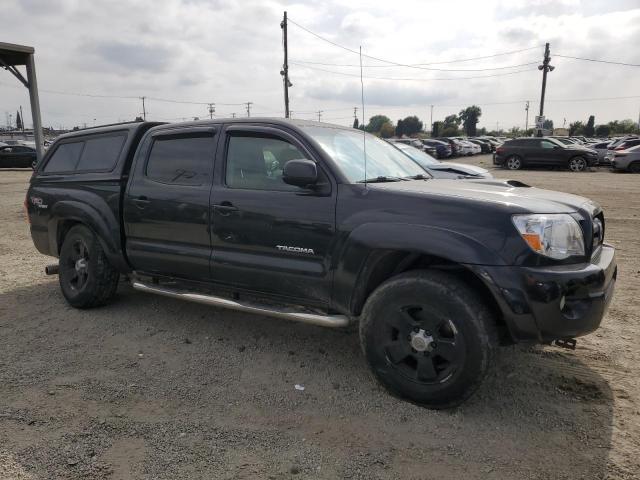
(67, 214)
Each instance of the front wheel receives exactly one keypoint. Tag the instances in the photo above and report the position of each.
(428, 338)
(86, 277)
(577, 164)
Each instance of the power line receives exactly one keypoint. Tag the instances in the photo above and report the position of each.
(430, 69)
(598, 61)
(391, 62)
(409, 79)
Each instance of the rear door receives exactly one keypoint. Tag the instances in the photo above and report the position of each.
(268, 236)
(166, 205)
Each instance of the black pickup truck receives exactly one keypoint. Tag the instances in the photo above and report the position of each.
(285, 218)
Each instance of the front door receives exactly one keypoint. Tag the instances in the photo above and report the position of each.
(166, 205)
(268, 236)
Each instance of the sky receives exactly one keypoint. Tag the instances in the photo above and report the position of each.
(228, 52)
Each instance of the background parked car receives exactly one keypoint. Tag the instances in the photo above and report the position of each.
(443, 169)
(601, 148)
(455, 146)
(485, 147)
(17, 156)
(521, 152)
(625, 160)
(443, 149)
(416, 143)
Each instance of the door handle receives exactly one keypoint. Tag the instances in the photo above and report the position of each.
(141, 201)
(225, 208)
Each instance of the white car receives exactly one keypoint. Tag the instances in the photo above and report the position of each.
(468, 148)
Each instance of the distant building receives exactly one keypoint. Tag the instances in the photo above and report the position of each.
(561, 132)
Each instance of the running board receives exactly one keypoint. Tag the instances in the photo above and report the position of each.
(333, 321)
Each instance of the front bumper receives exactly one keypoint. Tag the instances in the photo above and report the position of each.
(548, 303)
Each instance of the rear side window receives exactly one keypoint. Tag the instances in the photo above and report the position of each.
(65, 158)
(101, 153)
(183, 160)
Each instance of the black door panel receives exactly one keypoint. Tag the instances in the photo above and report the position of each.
(268, 236)
(166, 206)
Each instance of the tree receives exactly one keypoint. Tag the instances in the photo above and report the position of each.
(450, 126)
(547, 124)
(411, 125)
(18, 121)
(376, 122)
(139, 119)
(603, 130)
(400, 128)
(576, 128)
(469, 118)
(437, 129)
(356, 123)
(482, 131)
(387, 130)
(589, 128)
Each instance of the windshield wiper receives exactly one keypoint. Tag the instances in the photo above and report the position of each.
(382, 179)
(420, 176)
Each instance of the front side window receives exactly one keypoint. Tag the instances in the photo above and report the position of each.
(347, 149)
(65, 158)
(181, 160)
(547, 144)
(256, 162)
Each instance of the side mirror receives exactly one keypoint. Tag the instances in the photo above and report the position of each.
(301, 173)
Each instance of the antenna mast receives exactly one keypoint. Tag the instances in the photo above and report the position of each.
(364, 134)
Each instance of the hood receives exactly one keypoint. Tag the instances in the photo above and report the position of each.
(507, 193)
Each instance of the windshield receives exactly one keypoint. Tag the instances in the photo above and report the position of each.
(421, 158)
(345, 147)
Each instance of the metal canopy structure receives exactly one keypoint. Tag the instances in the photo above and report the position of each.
(14, 56)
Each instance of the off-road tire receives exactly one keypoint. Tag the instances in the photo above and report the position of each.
(431, 298)
(97, 283)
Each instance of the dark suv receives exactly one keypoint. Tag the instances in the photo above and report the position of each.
(543, 151)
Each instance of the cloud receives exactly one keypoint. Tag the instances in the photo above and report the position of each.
(225, 51)
(134, 57)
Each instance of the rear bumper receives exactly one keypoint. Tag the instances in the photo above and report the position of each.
(548, 303)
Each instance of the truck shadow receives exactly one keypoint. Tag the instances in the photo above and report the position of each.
(541, 412)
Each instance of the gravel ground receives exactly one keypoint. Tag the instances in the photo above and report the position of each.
(154, 388)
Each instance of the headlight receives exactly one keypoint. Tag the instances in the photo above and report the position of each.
(555, 235)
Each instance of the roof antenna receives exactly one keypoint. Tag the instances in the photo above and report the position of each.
(364, 134)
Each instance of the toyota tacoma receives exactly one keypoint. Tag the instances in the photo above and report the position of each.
(325, 225)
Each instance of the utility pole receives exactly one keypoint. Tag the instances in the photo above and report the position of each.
(21, 119)
(526, 121)
(431, 132)
(285, 66)
(249, 108)
(233, 115)
(545, 67)
(212, 110)
(497, 127)
(144, 110)
(355, 113)
(319, 115)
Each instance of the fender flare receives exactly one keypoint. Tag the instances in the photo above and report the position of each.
(359, 249)
(100, 220)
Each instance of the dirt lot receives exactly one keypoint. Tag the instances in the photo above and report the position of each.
(155, 388)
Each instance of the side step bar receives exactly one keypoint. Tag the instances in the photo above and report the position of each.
(333, 321)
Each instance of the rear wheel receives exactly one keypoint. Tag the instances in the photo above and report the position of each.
(634, 167)
(428, 338)
(577, 164)
(86, 277)
(513, 162)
